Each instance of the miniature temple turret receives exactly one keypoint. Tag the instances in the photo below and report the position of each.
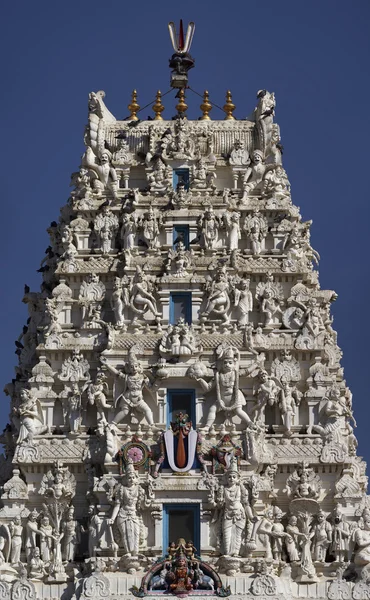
(179, 420)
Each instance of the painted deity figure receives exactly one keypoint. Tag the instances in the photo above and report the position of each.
(233, 500)
(131, 396)
(229, 398)
(128, 498)
(209, 226)
(106, 227)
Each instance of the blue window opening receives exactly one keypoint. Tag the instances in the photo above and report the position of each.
(181, 233)
(180, 307)
(181, 177)
(181, 521)
(180, 401)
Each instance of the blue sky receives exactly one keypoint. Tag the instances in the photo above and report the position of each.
(313, 55)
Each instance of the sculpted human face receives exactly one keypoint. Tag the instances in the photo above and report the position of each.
(257, 158)
(104, 158)
(232, 478)
(228, 364)
(293, 521)
(130, 479)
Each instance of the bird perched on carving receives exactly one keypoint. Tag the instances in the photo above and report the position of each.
(26, 289)
(19, 344)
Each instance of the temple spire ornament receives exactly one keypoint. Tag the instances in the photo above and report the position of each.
(158, 107)
(133, 107)
(205, 107)
(229, 107)
(181, 61)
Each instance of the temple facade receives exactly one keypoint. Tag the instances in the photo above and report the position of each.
(180, 423)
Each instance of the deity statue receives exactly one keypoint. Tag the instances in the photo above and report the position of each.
(106, 227)
(141, 297)
(229, 398)
(103, 175)
(233, 500)
(255, 226)
(160, 178)
(119, 299)
(288, 403)
(303, 483)
(128, 498)
(266, 395)
(239, 156)
(94, 525)
(91, 298)
(71, 536)
(128, 231)
(151, 226)
(269, 296)
(82, 183)
(244, 301)
(179, 340)
(276, 184)
(72, 407)
(278, 534)
(231, 222)
(46, 539)
(180, 258)
(130, 398)
(37, 568)
(201, 176)
(292, 540)
(30, 416)
(321, 537)
(208, 224)
(96, 394)
(52, 310)
(32, 530)
(16, 531)
(218, 292)
(334, 414)
(75, 368)
(122, 156)
(340, 537)
(254, 174)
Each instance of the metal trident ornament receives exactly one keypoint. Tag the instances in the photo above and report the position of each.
(181, 61)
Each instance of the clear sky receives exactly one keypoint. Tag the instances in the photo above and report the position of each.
(315, 57)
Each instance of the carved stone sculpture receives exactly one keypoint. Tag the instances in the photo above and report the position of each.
(340, 537)
(208, 224)
(151, 226)
(103, 175)
(179, 340)
(218, 296)
(243, 300)
(266, 395)
(30, 416)
(270, 296)
(96, 395)
(239, 156)
(231, 222)
(128, 499)
(255, 226)
(254, 174)
(321, 537)
(91, 298)
(128, 231)
(71, 535)
(142, 299)
(120, 299)
(16, 531)
(106, 227)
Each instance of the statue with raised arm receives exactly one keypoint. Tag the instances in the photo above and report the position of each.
(103, 175)
(141, 298)
(229, 398)
(218, 291)
(134, 381)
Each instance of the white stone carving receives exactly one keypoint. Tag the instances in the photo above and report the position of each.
(106, 227)
(255, 226)
(209, 226)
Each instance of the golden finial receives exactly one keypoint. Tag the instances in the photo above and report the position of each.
(229, 107)
(158, 107)
(181, 107)
(205, 107)
(133, 107)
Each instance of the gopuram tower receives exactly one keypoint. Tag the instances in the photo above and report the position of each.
(179, 420)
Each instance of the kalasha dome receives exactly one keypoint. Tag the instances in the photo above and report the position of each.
(179, 421)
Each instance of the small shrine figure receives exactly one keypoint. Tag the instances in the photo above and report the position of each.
(46, 539)
(209, 225)
(128, 231)
(340, 537)
(255, 226)
(180, 575)
(72, 407)
(321, 537)
(269, 296)
(120, 299)
(106, 227)
(218, 296)
(71, 536)
(16, 531)
(229, 397)
(37, 568)
(292, 541)
(232, 224)
(233, 500)
(134, 382)
(96, 395)
(266, 394)
(243, 300)
(128, 499)
(91, 298)
(288, 403)
(151, 225)
(179, 340)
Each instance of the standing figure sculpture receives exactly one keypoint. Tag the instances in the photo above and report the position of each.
(119, 299)
(208, 225)
(16, 530)
(128, 231)
(233, 500)
(96, 394)
(128, 498)
(244, 301)
(71, 536)
(150, 225)
(321, 536)
(229, 398)
(134, 382)
(218, 298)
(231, 222)
(91, 298)
(106, 227)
